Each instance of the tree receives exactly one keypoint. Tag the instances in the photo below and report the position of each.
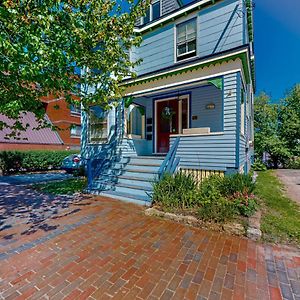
(289, 120)
(43, 44)
(267, 133)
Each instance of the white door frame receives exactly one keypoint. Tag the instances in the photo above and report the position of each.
(180, 98)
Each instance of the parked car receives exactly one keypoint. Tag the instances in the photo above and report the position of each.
(72, 163)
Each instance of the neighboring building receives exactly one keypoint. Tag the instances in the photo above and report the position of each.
(190, 107)
(31, 139)
(67, 118)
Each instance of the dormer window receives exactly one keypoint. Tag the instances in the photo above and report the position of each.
(186, 39)
(153, 12)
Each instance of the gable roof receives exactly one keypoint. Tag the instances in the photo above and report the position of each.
(30, 136)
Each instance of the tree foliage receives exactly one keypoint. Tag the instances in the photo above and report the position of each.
(43, 44)
(277, 127)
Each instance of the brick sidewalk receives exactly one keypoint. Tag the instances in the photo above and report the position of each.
(98, 248)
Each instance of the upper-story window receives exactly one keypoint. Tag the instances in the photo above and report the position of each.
(187, 39)
(76, 131)
(75, 109)
(153, 12)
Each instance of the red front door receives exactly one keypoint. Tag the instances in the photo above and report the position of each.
(167, 123)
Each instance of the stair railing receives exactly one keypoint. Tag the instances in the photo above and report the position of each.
(171, 162)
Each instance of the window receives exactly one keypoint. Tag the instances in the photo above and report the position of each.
(76, 130)
(97, 125)
(75, 109)
(153, 12)
(186, 40)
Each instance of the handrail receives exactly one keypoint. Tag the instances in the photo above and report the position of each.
(170, 164)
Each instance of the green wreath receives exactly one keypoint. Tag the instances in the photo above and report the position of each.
(167, 113)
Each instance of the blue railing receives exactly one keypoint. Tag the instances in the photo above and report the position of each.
(171, 162)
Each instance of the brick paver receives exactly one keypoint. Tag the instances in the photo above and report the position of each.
(97, 248)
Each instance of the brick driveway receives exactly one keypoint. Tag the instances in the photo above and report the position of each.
(96, 248)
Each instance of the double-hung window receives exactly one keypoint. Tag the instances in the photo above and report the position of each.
(76, 131)
(153, 12)
(186, 39)
(97, 125)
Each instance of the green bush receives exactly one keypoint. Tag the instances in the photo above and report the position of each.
(293, 163)
(237, 183)
(259, 165)
(246, 205)
(176, 192)
(216, 199)
(217, 210)
(17, 161)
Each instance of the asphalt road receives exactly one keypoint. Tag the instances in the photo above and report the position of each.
(26, 179)
(291, 179)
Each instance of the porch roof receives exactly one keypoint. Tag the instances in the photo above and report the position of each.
(241, 53)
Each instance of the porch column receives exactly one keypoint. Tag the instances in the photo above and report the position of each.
(180, 116)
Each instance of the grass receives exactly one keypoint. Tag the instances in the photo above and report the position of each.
(65, 187)
(281, 215)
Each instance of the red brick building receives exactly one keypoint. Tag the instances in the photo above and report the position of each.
(65, 117)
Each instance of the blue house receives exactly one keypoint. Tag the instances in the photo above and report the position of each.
(190, 108)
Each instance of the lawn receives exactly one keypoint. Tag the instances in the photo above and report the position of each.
(281, 215)
(65, 187)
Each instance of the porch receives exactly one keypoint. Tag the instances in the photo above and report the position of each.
(153, 120)
(191, 127)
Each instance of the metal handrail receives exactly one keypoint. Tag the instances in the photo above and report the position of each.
(170, 163)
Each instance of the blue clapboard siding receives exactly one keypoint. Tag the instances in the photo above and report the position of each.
(218, 30)
(156, 50)
(214, 152)
(169, 6)
(213, 119)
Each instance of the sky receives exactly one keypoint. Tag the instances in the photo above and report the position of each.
(277, 46)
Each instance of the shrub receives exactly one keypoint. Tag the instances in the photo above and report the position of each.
(217, 210)
(245, 204)
(176, 192)
(216, 199)
(293, 163)
(237, 183)
(259, 165)
(16, 161)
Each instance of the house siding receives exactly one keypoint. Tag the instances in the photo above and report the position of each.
(214, 152)
(218, 30)
(169, 6)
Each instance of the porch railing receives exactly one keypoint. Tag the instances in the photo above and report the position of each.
(171, 162)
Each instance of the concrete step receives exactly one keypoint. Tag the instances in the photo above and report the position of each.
(130, 190)
(135, 182)
(145, 201)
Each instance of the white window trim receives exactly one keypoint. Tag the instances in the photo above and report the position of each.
(193, 17)
(103, 141)
(151, 11)
(75, 135)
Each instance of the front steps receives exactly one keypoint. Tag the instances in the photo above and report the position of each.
(130, 179)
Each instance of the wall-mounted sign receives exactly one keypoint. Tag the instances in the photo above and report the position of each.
(210, 106)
